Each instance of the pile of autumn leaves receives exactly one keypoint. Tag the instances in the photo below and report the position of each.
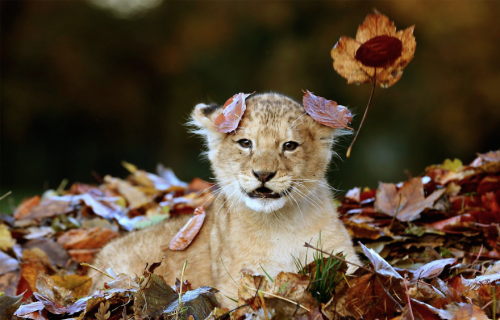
(45, 242)
(431, 242)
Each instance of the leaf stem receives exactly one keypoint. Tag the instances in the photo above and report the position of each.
(364, 116)
(408, 295)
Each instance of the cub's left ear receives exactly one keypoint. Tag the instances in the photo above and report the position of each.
(202, 121)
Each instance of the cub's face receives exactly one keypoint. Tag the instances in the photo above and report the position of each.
(277, 157)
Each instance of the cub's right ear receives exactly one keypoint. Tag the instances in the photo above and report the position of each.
(203, 115)
(202, 121)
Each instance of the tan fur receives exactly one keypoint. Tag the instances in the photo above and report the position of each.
(246, 234)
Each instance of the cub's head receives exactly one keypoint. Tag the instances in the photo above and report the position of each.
(277, 157)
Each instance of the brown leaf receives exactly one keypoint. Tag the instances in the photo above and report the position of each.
(25, 207)
(408, 202)
(8, 305)
(363, 230)
(83, 255)
(154, 296)
(470, 312)
(34, 262)
(134, 196)
(378, 52)
(49, 208)
(186, 286)
(326, 112)
(288, 285)
(185, 236)
(368, 299)
(55, 251)
(56, 299)
(232, 112)
(90, 238)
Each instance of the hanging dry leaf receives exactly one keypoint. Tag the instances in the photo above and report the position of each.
(326, 112)
(407, 202)
(185, 236)
(378, 52)
(232, 112)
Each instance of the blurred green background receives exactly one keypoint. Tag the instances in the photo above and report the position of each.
(86, 84)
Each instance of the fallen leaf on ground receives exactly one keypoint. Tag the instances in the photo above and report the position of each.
(9, 305)
(34, 262)
(232, 112)
(432, 269)
(470, 312)
(326, 112)
(78, 285)
(91, 238)
(25, 207)
(6, 241)
(379, 264)
(378, 53)
(408, 202)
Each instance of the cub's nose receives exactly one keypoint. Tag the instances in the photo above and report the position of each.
(264, 176)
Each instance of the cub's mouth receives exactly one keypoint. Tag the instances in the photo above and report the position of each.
(264, 193)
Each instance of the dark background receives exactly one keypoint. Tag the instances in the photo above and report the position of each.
(85, 85)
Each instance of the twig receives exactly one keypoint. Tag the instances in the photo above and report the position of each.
(364, 116)
(307, 245)
(397, 211)
(91, 266)
(279, 297)
(5, 195)
(408, 295)
(478, 255)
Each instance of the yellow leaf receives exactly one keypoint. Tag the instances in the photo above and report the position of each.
(454, 165)
(79, 285)
(6, 241)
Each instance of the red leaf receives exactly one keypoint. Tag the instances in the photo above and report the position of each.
(326, 112)
(379, 51)
(232, 112)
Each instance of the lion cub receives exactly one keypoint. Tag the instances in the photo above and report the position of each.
(273, 198)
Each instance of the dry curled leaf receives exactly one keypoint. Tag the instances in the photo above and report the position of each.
(185, 236)
(379, 264)
(378, 52)
(232, 112)
(326, 112)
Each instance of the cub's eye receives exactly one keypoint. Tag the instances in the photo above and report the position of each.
(245, 143)
(290, 146)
